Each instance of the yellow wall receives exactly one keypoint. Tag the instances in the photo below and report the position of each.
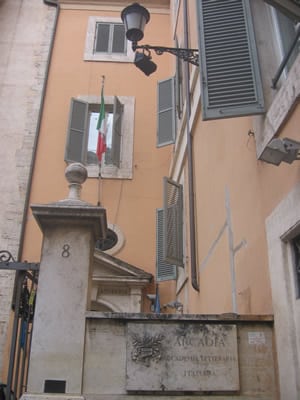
(130, 204)
(225, 161)
(225, 164)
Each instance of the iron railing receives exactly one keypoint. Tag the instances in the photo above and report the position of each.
(23, 304)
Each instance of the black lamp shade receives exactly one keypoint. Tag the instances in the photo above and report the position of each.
(135, 17)
(144, 63)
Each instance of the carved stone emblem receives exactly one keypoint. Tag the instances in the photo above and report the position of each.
(146, 348)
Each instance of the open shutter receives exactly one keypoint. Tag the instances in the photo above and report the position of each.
(291, 8)
(178, 85)
(116, 132)
(164, 271)
(166, 112)
(230, 79)
(76, 135)
(173, 222)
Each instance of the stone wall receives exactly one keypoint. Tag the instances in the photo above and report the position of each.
(25, 34)
(133, 354)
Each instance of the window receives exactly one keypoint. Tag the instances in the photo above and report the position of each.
(275, 33)
(230, 79)
(110, 38)
(287, 37)
(82, 135)
(288, 7)
(107, 243)
(165, 112)
(296, 249)
(106, 41)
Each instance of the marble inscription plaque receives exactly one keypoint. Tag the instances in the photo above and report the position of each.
(181, 357)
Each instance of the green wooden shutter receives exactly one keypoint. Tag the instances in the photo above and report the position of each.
(77, 135)
(166, 112)
(173, 222)
(102, 38)
(164, 271)
(230, 79)
(116, 132)
(119, 40)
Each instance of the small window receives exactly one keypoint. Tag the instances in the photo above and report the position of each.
(106, 41)
(109, 242)
(286, 32)
(296, 250)
(82, 135)
(110, 38)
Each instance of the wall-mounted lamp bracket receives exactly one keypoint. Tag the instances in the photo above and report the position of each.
(135, 17)
(189, 55)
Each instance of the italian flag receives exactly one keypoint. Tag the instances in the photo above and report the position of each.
(101, 144)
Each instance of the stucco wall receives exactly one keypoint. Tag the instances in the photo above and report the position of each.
(130, 203)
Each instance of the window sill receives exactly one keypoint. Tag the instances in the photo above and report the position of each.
(108, 57)
(109, 172)
(269, 125)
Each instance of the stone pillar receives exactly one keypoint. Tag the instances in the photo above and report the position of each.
(70, 228)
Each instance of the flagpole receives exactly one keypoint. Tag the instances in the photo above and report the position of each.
(99, 159)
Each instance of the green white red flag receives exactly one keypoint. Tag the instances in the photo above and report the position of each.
(101, 127)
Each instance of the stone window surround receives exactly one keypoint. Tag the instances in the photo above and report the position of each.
(281, 226)
(121, 240)
(267, 126)
(89, 54)
(125, 170)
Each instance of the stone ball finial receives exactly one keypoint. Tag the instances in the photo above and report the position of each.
(76, 174)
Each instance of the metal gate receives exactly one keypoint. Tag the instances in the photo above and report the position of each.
(23, 305)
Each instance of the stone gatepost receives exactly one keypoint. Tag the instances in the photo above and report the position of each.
(70, 228)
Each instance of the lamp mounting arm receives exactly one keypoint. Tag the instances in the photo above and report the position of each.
(189, 55)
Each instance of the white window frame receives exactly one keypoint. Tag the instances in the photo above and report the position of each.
(126, 156)
(89, 54)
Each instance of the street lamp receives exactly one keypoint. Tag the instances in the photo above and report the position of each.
(135, 17)
(279, 150)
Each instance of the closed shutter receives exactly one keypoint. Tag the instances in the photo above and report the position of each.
(118, 41)
(116, 132)
(173, 222)
(166, 112)
(164, 271)
(102, 38)
(110, 38)
(230, 79)
(76, 135)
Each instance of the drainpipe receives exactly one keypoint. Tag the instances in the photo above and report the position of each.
(191, 197)
(53, 3)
